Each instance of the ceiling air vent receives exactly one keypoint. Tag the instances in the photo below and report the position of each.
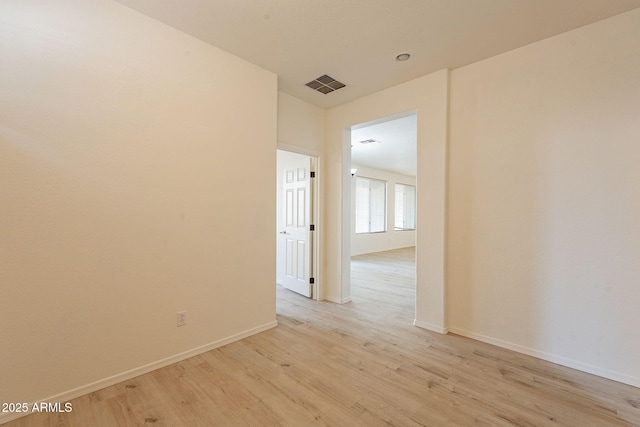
(325, 84)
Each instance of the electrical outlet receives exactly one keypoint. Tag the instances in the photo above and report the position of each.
(182, 318)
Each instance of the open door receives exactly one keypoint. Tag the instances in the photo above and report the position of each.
(296, 230)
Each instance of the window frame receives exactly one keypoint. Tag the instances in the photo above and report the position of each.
(370, 213)
(404, 203)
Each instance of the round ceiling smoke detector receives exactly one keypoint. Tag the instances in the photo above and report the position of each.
(403, 57)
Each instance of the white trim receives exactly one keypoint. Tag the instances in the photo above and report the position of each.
(430, 327)
(338, 300)
(127, 375)
(295, 149)
(317, 235)
(553, 358)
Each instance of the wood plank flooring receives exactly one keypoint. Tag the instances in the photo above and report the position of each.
(358, 364)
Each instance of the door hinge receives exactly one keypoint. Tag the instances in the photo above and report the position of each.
(313, 174)
(312, 280)
(312, 227)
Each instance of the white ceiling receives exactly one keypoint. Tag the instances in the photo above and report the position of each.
(356, 41)
(394, 149)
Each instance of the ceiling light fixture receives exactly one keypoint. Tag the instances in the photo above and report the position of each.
(403, 57)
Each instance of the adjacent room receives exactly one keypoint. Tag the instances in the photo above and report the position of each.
(383, 213)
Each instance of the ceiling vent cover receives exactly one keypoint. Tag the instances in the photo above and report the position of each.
(325, 84)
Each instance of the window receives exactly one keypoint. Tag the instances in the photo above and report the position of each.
(371, 205)
(405, 207)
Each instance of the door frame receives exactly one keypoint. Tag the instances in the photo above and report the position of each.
(429, 97)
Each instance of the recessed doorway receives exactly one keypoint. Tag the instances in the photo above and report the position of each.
(383, 206)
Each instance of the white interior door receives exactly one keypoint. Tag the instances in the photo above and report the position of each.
(295, 231)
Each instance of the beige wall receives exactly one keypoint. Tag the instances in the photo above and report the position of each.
(544, 198)
(131, 188)
(300, 126)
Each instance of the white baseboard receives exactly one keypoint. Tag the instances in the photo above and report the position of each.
(430, 327)
(127, 375)
(338, 300)
(560, 360)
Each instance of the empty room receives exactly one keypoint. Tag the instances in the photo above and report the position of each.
(159, 267)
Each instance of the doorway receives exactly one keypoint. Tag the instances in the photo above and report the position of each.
(383, 202)
(296, 216)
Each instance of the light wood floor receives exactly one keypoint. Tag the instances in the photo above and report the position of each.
(358, 364)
